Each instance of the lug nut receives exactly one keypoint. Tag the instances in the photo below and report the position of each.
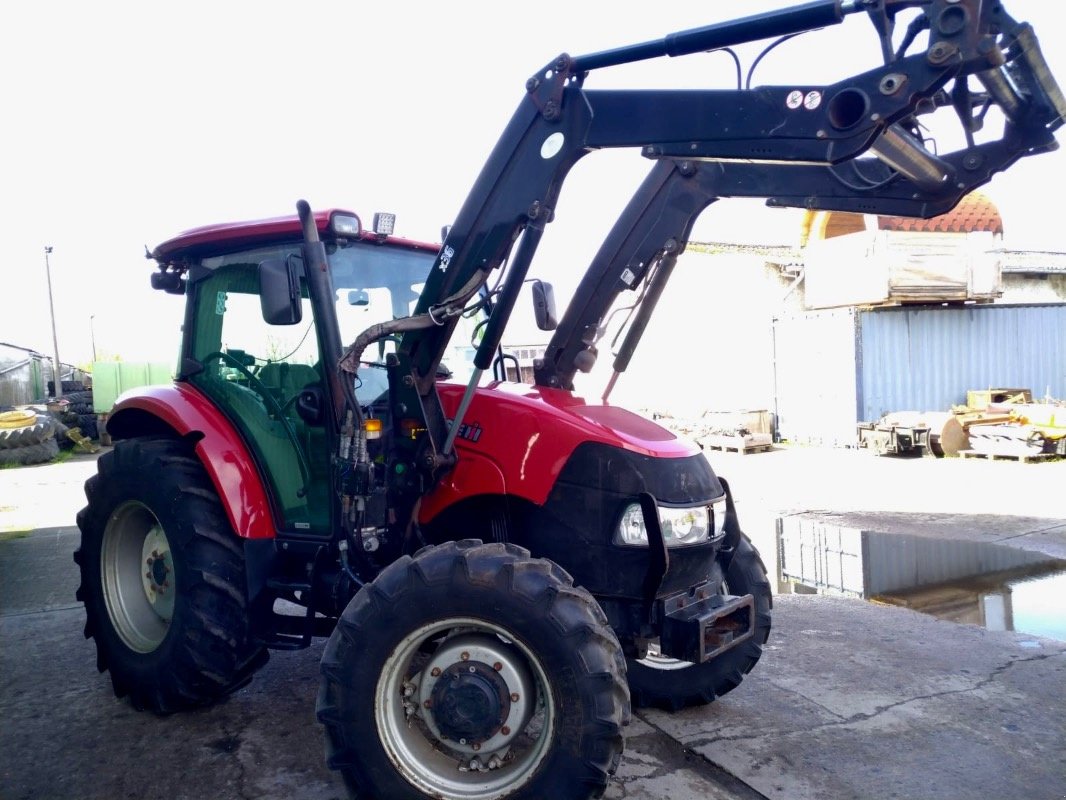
(475, 747)
(428, 704)
(514, 697)
(505, 730)
(435, 672)
(497, 666)
(465, 656)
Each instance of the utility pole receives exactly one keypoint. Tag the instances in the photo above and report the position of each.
(92, 335)
(56, 369)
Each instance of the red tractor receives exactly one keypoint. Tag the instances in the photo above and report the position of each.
(502, 569)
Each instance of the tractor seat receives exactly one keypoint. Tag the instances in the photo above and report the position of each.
(287, 379)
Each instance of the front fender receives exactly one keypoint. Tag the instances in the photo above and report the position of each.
(187, 412)
(474, 475)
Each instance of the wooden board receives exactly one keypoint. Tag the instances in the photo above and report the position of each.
(1024, 458)
(753, 443)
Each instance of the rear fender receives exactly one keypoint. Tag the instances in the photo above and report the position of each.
(184, 411)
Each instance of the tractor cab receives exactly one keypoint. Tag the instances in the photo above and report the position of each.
(255, 344)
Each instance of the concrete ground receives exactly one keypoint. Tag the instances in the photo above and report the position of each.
(850, 700)
(64, 735)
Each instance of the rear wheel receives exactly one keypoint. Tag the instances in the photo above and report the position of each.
(473, 671)
(162, 579)
(661, 682)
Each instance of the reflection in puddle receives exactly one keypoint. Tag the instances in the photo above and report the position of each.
(1000, 588)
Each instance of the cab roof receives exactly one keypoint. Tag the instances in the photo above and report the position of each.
(207, 240)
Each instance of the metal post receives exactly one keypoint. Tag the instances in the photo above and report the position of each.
(56, 368)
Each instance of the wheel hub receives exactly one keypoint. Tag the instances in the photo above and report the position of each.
(470, 702)
(477, 694)
(157, 579)
(137, 573)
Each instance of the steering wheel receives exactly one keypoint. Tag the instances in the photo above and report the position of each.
(268, 398)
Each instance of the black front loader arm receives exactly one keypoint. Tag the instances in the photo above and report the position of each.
(654, 229)
(795, 145)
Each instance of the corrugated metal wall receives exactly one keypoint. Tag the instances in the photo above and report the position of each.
(844, 560)
(925, 359)
(21, 379)
(836, 368)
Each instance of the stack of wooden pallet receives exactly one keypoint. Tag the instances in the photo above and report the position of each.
(1022, 431)
(728, 432)
(737, 441)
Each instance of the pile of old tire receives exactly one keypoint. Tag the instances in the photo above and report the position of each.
(68, 386)
(27, 438)
(63, 442)
(79, 413)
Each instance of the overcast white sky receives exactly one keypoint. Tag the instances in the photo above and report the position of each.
(125, 123)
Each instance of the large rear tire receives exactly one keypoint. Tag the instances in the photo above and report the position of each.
(163, 579)
(473, 671)
(30, 430)
(38, 453)
(658, 682)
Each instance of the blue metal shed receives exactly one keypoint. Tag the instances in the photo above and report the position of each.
(836, 368)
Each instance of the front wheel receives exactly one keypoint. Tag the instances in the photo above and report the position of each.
(163, 579)
(473, 672)
(659, 682)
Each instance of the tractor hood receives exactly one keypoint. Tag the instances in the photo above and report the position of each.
(527, 434)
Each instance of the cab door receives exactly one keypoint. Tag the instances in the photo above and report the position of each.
(254, 372)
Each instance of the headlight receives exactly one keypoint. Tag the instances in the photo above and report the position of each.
(346, 225)
(681, 526)
(685, 525)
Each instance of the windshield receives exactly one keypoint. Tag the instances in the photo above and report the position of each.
(375, 284)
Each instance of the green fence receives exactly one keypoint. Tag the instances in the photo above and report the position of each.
(112, 378)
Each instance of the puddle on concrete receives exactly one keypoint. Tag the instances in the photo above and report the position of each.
(1034, 605)
(998, 587)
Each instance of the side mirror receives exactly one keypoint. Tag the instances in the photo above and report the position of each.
(544, 306)
(358, 297)
(279, 291)
(169, 282)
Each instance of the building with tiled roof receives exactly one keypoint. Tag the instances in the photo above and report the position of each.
(848, 259)
(975, 212)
